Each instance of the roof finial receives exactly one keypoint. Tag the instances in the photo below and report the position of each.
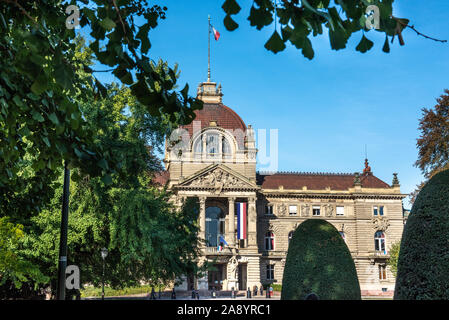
(367, 169)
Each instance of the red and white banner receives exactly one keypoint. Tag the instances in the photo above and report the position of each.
(216, 33)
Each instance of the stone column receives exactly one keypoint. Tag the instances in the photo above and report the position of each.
(202, 232)
(231, 223)
(252, 223)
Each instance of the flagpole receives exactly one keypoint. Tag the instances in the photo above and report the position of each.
(208, 52)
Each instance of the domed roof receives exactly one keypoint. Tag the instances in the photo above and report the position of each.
(222, 115)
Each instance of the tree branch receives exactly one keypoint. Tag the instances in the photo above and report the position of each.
(423, 35)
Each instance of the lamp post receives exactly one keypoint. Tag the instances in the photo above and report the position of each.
(104, 254)
(62, 263)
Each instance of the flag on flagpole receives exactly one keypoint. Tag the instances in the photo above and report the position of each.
(241, 220)
(222, 240)
(216, 33)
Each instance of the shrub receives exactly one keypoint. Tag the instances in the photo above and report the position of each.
(318, 261)
(423, 265)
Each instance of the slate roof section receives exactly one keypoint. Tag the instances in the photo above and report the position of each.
(317, 181)
(224, 116)
(296, 181)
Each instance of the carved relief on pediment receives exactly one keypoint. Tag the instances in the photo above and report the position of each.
(217, 179)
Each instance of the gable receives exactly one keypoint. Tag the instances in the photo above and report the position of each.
(218, 177)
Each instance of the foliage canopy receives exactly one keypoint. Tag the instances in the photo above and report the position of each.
(318, 261)
(423, 265)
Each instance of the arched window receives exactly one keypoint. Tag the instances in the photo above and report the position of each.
(226, 148)
(198, 146)
(379, 242)
(269, 241)
(216, 145)
(212, 144)
(215, 226)
(290, 236)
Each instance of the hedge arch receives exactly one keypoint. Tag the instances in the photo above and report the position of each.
(423, 264)
(318, 261)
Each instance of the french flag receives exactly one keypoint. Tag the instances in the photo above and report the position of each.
(216, 33)
(241, 220)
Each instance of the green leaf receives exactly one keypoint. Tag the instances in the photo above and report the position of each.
(386, 47)
(231, 7)
(37, 116)
(338, 38)
(103, 164)
(45, 139)
(364, 45)
(307, 49)
(143, 36)
(107, 24)
(40, 84)
(230, 24)
(275, 43)
(107, 179)
(63, 75)
(53, 118)
(260, 17)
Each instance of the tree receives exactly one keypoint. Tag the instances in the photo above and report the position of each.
(318, 261)
(423, 265)
(433, 143)
(14, 270)
(300, 20)
(148, 238)
(394, 256)
(42, 86)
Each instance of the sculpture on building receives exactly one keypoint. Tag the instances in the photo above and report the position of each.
(305, 210)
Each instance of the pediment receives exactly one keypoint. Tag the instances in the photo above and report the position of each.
(218, 177)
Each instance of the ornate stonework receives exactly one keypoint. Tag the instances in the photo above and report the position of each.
(329, 210)
(305, 210)
(282, 209)
(343, 228)
(218, 179)
(380, 223)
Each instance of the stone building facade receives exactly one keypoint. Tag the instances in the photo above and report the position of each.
(214, 159)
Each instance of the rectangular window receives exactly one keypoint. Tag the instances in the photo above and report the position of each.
(292, 209)
(316, 210)
(270, 271)
(378, 210)
(340, 211)
(269, 209)
(382, 272)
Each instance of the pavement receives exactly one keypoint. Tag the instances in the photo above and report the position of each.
(145, 296)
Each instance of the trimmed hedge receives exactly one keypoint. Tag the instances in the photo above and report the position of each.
(423, 265)
(318, 261)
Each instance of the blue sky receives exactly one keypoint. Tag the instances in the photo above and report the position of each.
(327, 109)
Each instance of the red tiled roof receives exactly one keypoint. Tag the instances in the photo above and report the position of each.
(317, 181)
(161, 177)
(223, 115)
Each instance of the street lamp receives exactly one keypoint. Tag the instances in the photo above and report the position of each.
(104, 254)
